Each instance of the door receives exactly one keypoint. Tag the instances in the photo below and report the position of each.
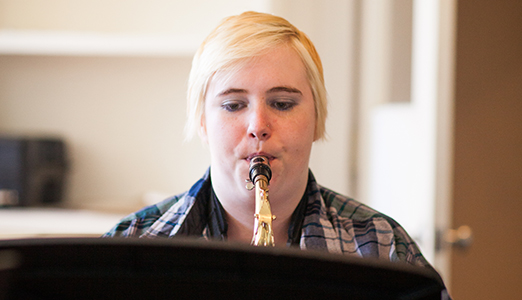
(487, 189)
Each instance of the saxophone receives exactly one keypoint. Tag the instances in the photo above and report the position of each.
(260, 175)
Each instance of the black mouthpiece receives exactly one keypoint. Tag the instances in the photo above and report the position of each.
(259, 166)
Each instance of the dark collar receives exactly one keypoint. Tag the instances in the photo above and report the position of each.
(208, 212)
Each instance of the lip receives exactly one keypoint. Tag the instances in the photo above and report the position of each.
(267, 155)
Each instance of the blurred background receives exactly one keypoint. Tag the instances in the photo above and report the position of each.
(425, 110)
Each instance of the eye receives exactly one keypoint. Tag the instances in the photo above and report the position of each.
(283, 105)
(232, 106)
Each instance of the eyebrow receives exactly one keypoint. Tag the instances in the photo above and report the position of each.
(232, 91)
(284, 89)
(276, 89)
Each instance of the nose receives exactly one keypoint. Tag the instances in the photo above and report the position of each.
(260, 126)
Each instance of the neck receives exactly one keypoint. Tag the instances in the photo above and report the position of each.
(239, 206)
(240, 217)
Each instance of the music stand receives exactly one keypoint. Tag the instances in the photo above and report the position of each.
(116, 268)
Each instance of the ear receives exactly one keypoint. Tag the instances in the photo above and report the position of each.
(203, 129)
(316, 136)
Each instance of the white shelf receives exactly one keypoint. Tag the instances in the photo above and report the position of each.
(54, 222)
(54, 43)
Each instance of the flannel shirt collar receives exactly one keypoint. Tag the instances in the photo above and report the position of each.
(198, 213)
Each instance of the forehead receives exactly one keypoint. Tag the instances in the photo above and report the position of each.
(279, 66)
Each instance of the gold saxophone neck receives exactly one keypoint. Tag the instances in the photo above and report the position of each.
(260, 175)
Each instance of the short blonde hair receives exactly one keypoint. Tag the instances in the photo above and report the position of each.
(240, 38)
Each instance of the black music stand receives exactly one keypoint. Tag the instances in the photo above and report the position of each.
(108, 268)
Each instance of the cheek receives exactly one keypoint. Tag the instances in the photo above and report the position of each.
(302, 141)
(302, 131)
(299, 143)
(224, 132)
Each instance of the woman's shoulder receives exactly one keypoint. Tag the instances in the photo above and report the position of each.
(136, 223)
(370, 225)
(348, 207)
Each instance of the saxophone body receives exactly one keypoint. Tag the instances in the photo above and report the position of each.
(260, 175)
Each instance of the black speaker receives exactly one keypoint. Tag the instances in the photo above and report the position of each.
(32, 171)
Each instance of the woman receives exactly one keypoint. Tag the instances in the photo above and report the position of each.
(256, 88)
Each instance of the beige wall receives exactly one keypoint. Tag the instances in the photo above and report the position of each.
(134, 16)
(122, 119)
(122, 116)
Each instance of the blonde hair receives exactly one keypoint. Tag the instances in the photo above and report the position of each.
(240, 38)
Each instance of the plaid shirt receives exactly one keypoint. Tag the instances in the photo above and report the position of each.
(332, 223)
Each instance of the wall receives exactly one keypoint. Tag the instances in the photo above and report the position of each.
(129, 16)
(122, 116)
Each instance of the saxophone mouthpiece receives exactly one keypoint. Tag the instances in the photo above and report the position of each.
(259, 166)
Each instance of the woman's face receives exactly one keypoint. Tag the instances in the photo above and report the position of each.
(266, 108)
